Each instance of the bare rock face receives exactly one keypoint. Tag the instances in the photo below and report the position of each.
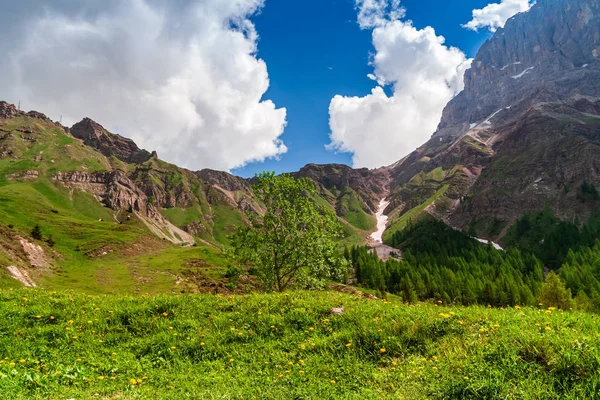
(195, 228)
(109, 144)
(113, 188)
(549, 53)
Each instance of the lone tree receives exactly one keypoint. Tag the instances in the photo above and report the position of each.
(555, 294)
(36, 233)
(294, 237)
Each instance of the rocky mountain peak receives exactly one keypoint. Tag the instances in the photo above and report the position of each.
(550, 53)
(95, 135)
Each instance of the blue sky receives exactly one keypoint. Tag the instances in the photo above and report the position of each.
(301, 41)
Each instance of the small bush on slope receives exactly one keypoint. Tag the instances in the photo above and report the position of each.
(284, 346)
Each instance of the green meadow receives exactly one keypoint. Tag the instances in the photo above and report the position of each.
(69, 345)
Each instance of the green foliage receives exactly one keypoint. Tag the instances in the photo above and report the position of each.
(294, 237)
(36, 233)
(555, 294)
(549, 238)
(588, 191)
(581, 273)
(280, 346)
(443, 264)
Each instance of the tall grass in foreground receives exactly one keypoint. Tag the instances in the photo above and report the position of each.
(287, 346)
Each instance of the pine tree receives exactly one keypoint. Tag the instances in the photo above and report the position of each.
(36, 233)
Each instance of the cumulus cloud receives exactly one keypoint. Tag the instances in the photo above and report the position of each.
(181, 77)
(424, 74)
(495, 15)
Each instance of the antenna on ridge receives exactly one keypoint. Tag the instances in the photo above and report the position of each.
(19, 106)
(60, 119)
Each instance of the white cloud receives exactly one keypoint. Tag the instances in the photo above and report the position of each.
(373, 13)
(180, 77)
(495, 15)
(424, 74)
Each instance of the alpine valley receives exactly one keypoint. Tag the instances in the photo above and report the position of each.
(522, 137)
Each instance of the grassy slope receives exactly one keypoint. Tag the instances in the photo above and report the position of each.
(413, 214)
(350, 207)
(288, 346)
(137, 261)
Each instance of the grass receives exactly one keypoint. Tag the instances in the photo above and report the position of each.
(148, 267)
(71, 345)
(350, 207)
(413, 214)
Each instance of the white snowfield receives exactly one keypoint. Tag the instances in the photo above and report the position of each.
(377, 236)
(522, 74)
(509, 65)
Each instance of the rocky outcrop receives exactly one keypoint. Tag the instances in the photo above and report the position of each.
(195, 228)
(25, 175)
(114, 189)
(109, 144)
(8, 110)
(223, 179)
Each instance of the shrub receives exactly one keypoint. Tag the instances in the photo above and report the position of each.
(36, 233)
(554, 293)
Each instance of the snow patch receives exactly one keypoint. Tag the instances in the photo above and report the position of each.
(522, 74)
(510, 65)
(377, 236)
(495, 245)
(489, 119)
(584, 66)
